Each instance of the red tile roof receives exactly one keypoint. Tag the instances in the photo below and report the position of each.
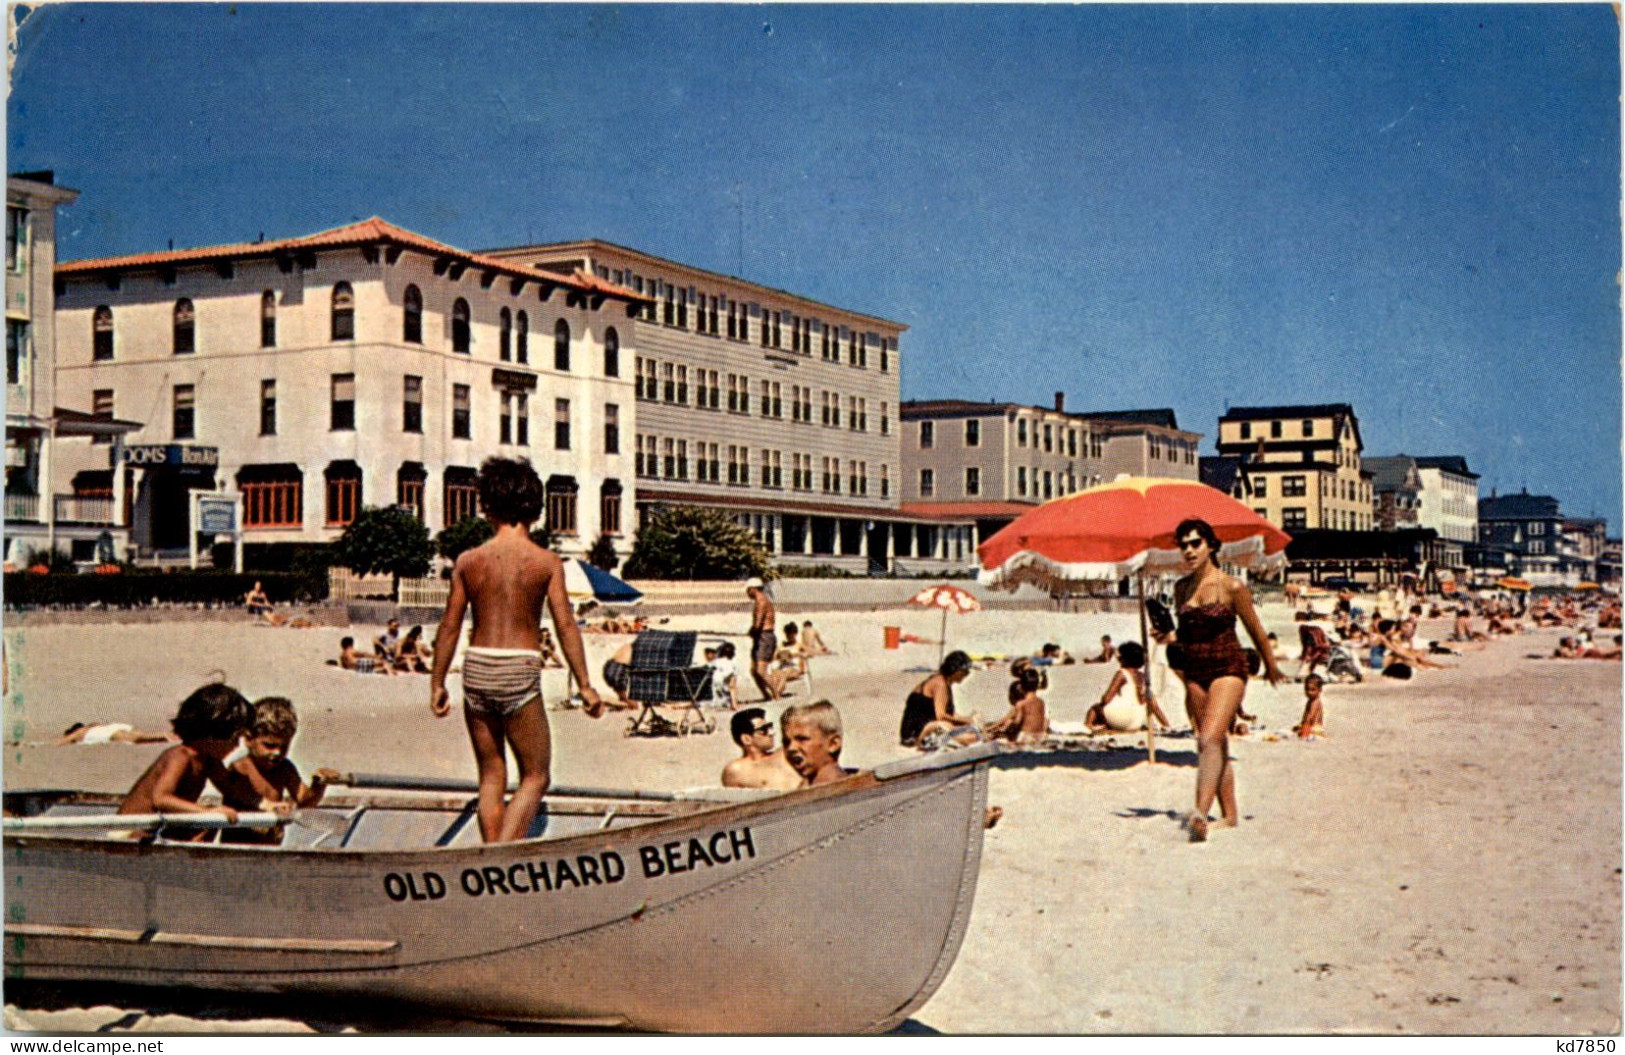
(966, 510)
(371, 231)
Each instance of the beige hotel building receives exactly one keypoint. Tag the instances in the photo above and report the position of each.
(779, 410)
(1303, 465)
(362, 366)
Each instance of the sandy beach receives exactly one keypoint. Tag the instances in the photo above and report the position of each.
(1446, 860)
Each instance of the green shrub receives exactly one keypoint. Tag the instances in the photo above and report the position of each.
(138, 588)
(603, 555)
(385, 540)
(463, 535)
(689, 542)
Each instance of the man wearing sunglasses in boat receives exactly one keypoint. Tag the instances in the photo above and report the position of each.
(758, 764)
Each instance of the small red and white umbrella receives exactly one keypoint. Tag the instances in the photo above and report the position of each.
(949, 598)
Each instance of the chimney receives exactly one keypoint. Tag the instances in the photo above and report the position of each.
(1060, 402)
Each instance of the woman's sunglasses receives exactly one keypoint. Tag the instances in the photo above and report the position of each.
(1190, 543)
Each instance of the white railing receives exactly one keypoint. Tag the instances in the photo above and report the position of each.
(22, 507)
(345, 585)
(75, 509)
(424, 593)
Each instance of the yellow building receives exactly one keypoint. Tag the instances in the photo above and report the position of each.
(1303, 464)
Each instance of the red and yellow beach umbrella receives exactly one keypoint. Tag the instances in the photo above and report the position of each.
(1512, 582)
(1121, 529)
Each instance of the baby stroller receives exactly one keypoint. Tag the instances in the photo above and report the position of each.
(1342, 665)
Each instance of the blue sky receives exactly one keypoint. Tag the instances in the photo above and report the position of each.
(1413, 209)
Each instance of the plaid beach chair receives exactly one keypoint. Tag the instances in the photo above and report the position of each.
(662, 672)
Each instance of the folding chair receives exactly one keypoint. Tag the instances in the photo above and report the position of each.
(662, 671)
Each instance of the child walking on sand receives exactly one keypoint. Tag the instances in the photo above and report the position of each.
(209, 723)
(1314, 715)
(507, 580)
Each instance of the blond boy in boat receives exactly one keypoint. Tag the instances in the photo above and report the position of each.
(812, 741)
(507, 580)
(268, 778)
(758, 764)
(209, 723)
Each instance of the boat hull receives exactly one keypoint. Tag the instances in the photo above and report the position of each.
(834, 909)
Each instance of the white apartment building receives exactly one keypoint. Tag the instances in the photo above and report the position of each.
(42, 424)
(779, 410)
(1449, 497)
(361, 366)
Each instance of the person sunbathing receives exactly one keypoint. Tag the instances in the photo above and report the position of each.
(112, 733)
(1125, 716)
(413, 655)
(812, 642)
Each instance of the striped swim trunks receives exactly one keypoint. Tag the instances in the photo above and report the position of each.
(499, 681)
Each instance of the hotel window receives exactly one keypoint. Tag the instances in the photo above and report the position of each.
(561, 346)
(682, 459)
(505, 335)
(273, 495)
(1261, 486)
(1536, 527)
(1275, 430)
(101, 406)
(183, 420)
(1294, 517)
(343, 313)
(1071, 443)
(412, 316)
(1246, 430)
(185, 327)
(521, 338)
(268, 408)
(713, 397)
(612, 354)
(505, 418)
(928, 435)
(885, 356)
(16, 237)
(638, 457)
(928, 483)
(1021, 481)
(612, 428)
(16, 350)
(267, 321)
(650, 382)
(885, 481)
(1049, 483)
(739, 394)
(1537, 548)
(713, 465)
(462, 426)
(609, 507)
(852, 413)
(343, 492)
(853, 478)
(1308, 428)
(973, 433)
(561, 424)
(409, 481)
(462, 496)
(885, 420)
(668, 383)
(1021, 433)
(561, 504)
(738, 465)
(462, 339)
(412, 405)
(101, 340)
(342, 412)
(668, 458)
(767, 468)
(1049, 438)
(973, 480)
(682, 385)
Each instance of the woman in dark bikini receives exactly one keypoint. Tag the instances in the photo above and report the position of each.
(1214, 666)
(930, 707)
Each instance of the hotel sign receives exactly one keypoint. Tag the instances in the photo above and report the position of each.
(513, 380)
(170, 455)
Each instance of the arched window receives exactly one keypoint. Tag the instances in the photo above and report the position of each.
(268, 319)
(102, 336)
(185, 328)
(460, 338)
(522, 347)
(504, 334)
(561, 346)
(412, 316)
(343, 312)
(612, 353)
(343, 492)
(409, 485)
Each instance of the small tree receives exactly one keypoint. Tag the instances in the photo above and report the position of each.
(602, 555)
(687, 542)
(463, 535)
(382, 540)
(542, 537)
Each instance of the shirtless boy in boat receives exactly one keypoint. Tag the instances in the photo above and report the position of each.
(269, 779)
(209, 723)
(507, 580)
(812, 741)
(758, 765)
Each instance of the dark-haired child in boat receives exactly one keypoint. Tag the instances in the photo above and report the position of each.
(209, 723)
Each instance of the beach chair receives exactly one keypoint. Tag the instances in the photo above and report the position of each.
(1316, 649)
(662, 671)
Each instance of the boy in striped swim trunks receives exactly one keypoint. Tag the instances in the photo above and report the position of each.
(507, 580)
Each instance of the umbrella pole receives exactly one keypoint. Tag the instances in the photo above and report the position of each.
(942, 637)
(1145, 641)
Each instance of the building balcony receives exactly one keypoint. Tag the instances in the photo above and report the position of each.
(70, 509)
(22, 508)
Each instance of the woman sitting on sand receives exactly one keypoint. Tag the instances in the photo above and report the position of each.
(1213, 666)
(930, 706)
(412, 655)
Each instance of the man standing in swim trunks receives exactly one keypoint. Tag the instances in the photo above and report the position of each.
(764, 643)
(507, 580)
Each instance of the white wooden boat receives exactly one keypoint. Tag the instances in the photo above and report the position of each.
(832, 909)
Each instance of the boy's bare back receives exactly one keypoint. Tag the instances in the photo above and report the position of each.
(507, 581)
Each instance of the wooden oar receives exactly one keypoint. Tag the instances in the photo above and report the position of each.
(418, 783)
(92, 821)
